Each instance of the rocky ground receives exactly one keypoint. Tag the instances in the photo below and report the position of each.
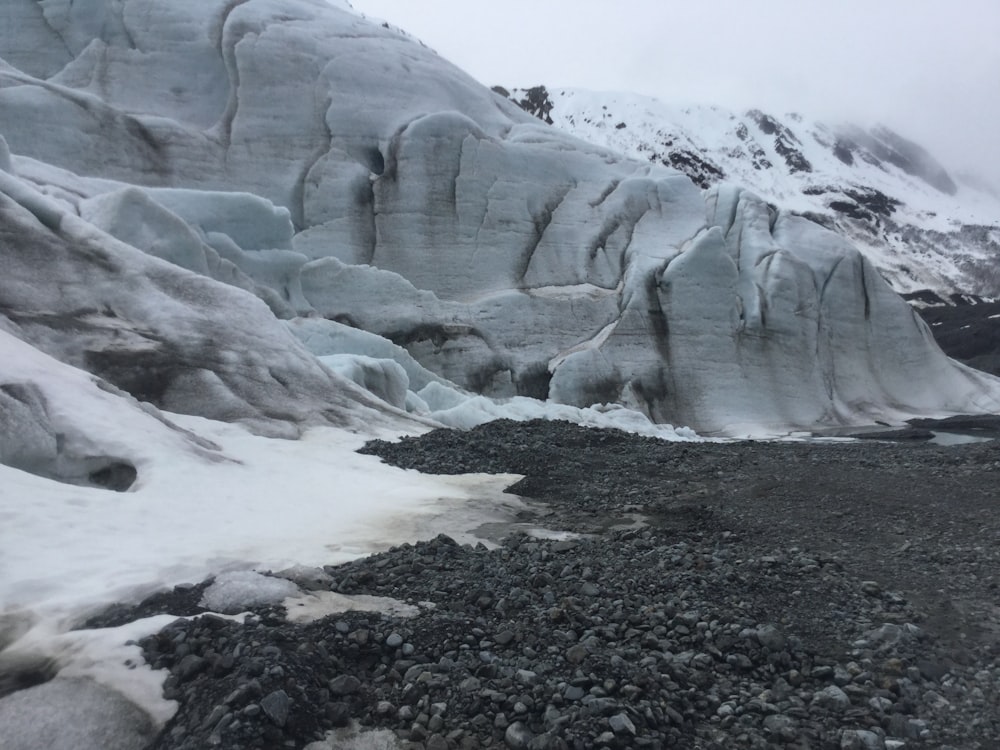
(966, 327)
(738, 595)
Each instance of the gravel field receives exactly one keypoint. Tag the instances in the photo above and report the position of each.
(727, 595)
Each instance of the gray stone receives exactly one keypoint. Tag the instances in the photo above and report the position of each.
(395, 640)
(418, 733)
(832, 698)
(621, 724)
(603, 706)
(860, 739)
(781, 726)
(886, 636)
(190, 666)
(932, 670)
(345, 684)
(469, 685)
(505, 637)
(338, 713)
(771, 638)
(527, 677)
(872, 588)
(548, 741)
(217, 713)
(576, 654)
(414, 672)
(740, 661)
(518, 736)
(277, 705)
(565, 545)
(675, 716)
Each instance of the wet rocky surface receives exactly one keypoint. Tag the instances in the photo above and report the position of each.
(966, 327)
(730, 595)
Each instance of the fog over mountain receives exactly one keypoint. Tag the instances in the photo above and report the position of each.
(927, 69)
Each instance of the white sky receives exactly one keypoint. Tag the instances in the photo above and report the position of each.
(928, 68)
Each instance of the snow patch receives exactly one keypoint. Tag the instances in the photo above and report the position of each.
(79, 712)
(239, 590)
(356, 738)
(319, 604)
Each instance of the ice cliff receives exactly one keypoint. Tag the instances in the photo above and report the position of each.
(184, 183)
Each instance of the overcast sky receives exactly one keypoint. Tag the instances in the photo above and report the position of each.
(928, 68)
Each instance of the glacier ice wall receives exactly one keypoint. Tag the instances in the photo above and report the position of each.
(163, 334)
(336, 168)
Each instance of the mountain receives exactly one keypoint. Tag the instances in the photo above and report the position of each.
(922, 227)
(170, 197)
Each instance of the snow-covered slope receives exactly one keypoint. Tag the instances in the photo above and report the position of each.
(921, 226)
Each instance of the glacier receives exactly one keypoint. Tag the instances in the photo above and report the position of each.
(181, 179)
(238, 239)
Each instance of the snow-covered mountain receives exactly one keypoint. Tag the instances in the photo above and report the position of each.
(922, 227)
